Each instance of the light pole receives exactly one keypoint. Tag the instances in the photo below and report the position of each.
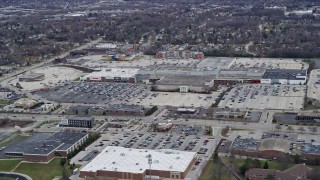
(149, 162)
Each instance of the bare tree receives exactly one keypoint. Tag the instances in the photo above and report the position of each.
(290, 128)
(314, 129)
(277, 127)
(301, 129)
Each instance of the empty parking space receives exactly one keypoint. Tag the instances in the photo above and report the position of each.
(179, 99)
(95, 93)
(53, 77)
(290, 97)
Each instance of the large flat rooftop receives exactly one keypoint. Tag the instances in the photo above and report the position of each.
(114, 72)
(45, 143)
(291, 74)
(185, 80)
(136, 161)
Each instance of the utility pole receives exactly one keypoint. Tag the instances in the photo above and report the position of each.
(150, 162)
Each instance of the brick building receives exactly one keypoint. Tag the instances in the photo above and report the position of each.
(44, 147)
(124, 163)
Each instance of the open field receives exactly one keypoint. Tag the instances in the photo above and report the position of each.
(215, 170)
(41, 170)
(8, 164)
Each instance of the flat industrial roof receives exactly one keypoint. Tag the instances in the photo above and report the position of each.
(67, 138)
(36, 144)
(79, 118)
(114, 72)
(125, 107)
(185, 80)
(45, 143)
(122, 159)
(291, 74)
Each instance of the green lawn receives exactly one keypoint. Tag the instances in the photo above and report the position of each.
(310, 107)
(17, 138)
(272, 164)
(8, 165)
(40, 171)
(215, 170)
(7, 178)
(212, 172)
(224, 132)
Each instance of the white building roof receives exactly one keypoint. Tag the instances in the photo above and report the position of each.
(113, 72)
(107, 45)
(121, 159)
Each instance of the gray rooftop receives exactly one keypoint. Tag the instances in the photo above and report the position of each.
(125, 107)
(36, 144)
(80, 118)
(290, 74)
(45, 143)
(185, 80)
(67, 138)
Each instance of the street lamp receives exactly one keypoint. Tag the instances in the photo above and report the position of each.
(149, 162)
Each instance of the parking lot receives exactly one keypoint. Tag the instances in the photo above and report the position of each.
(179, 99)
(53, 77)
(180, 137)
(288, 97)
(314, 85)
(95, 93)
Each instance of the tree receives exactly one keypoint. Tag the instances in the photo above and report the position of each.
(62, 161)
(301, 129)
(65, 175)
(277, 127)
(266, 165)
(290, 128)
(243, 168)
(215, 157)
(314, 129)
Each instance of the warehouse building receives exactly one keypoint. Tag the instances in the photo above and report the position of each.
(184, 84)
(30, 77)
(127, 163)
(284, 76)
(77, 121)
(112, 75)
(44, 147)
(230, 114)
(125, 109)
